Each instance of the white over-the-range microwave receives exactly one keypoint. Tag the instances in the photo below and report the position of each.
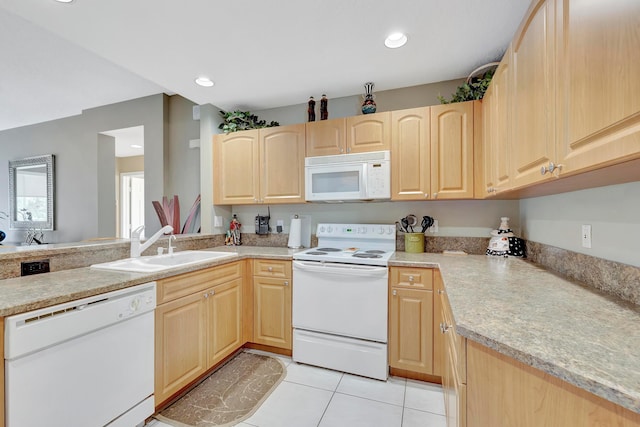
(348, 177)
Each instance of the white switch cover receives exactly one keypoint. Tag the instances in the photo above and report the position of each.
(280, 223)
(586, 235)
(218, 221)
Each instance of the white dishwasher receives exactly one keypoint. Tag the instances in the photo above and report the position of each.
(84, 363)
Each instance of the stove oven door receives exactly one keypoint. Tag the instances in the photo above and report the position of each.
(341, 299)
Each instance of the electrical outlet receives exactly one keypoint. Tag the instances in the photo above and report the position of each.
(586, 235)
(434, 227)
(218, 221)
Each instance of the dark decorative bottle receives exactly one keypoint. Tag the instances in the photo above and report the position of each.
(311, 111)
(368, 105)
(324, 105)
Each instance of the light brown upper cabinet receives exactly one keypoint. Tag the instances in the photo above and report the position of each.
(452, 151)
(326, 137)
(568, 90)
(260, 166)
(598, 64)
(533, 142)
(496, 110)
(368, 132)
(410, 154)
(432, 152)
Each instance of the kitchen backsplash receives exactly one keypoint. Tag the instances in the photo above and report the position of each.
(611, 277)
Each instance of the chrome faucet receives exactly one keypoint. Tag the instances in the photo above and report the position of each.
(137, 248)
(171, 248)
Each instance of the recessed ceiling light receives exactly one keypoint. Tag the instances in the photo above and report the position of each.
(135, 146)
(64, 1)
(204, 81)
(395, 40)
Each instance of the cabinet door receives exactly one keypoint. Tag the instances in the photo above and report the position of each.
(180, 346)
(326, 137)
(236, 168)
(224, 320)
(411, 329)
(488, 141)
(282, 164)
(272, 316)
(598, 48)
(438, 336)
(533, 142)
(410, 154)
(501, 114)
(369, 132)
(452, 151)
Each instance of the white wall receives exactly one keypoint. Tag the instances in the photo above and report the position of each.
(613, 213)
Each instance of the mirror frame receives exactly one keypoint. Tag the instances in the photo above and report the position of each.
(14, 223)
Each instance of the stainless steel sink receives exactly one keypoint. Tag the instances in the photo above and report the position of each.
(149, 264)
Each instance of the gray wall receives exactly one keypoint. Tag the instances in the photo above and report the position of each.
(389, 100)
(85, 195)
(184, 162)
(613, 213)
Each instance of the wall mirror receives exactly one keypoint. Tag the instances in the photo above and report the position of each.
(31, 193)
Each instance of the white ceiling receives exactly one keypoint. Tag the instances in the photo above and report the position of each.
(58, 59)
(126, 139)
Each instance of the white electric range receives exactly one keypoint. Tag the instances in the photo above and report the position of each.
(340, 299)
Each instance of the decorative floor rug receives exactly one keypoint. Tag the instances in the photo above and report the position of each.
(229, 395)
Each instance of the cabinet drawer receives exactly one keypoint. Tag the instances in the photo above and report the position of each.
(185, 284)
(415, 278)
(272, 268)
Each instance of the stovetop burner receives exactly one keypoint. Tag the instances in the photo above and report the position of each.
(316, 253)
(366, 255)
(375, 251)
(329, 250)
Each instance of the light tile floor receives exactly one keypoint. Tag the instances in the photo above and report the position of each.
(316, 397)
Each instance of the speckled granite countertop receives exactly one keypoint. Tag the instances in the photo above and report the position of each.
(576, 333)
(21, 294)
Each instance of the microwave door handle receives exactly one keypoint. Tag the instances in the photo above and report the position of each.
(363, 184)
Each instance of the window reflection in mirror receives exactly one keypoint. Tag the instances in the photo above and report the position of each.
(31, 193)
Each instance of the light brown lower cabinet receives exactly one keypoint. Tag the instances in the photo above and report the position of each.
(454, 369)
(484, 388)
(503, 392)
(272, 303)
(411, 345)
(2, 372)
(197, 330)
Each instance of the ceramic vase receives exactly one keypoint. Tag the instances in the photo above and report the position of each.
(2, 235)
(369, 104)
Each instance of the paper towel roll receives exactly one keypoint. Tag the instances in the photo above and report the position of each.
(295, 233)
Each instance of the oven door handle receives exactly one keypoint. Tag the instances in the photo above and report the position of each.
(343, 269)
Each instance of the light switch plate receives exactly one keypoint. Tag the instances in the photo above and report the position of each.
(586, 235)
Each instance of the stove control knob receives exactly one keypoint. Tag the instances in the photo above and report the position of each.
(381, 230)
(329, 229)
(362, 230)
(390, 230)
(322, 229)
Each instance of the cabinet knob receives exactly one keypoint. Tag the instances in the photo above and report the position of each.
(394, 292)
(444, 328)
(286, 283)
(411, 278)
(440, 292)
(348, 150)
(426, 195)
(212, 292)
(435, 195)
(206, 295)
(551, 168)
(270, 269)
(342, 150)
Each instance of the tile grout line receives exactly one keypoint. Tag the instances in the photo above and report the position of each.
(404, 402)
(329, 402)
